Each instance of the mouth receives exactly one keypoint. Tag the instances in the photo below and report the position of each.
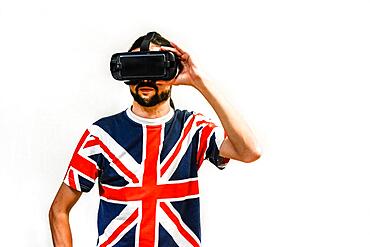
(146, 89)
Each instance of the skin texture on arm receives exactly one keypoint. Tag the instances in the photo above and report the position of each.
(240, 144)
(64, 200)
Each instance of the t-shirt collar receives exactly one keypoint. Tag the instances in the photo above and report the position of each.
(149, 121)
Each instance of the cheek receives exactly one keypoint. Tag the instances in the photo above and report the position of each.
(164, 83)
(160, 83)
(163, 88)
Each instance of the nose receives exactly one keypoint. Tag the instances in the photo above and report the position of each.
(149, 81)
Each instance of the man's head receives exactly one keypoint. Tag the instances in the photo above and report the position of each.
(150, 93)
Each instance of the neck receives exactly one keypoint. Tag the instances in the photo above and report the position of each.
(156, 111)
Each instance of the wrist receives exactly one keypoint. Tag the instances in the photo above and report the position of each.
(200, 83)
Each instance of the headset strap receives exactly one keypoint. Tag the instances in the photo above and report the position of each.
(145, 44)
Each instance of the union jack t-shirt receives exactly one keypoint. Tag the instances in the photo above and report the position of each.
(147, 173)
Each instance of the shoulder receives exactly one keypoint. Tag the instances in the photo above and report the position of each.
(195, 117)
(109, 123)
(182, 114)
(186, 115)
(109, 120)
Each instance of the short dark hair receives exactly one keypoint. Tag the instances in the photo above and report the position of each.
(157, 39)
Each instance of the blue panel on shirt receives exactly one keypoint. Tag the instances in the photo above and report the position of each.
(107, 212)
(172, 131)
(192, 215)
(129, 138)
(128, 239)
(165, 239)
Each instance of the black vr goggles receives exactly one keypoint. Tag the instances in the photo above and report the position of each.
(132, 67)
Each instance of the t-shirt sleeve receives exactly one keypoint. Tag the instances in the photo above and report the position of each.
(211, 137)
(83, 168)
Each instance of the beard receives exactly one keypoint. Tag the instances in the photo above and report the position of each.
(152, 101)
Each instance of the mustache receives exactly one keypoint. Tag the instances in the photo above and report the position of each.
(151, 84)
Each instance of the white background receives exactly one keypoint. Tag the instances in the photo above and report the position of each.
(297, 72)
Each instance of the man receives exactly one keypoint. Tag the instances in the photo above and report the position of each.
(147, 159)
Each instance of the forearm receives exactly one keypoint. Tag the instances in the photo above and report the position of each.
(60, 229)
(238, 131)
(240, 143)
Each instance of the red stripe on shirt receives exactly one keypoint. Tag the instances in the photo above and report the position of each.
(178, 147)
(122, 227)
(179, 227)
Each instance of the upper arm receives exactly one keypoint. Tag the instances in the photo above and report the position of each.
(65, 199)
(228, 150)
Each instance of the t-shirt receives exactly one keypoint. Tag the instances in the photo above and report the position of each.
(147, 172)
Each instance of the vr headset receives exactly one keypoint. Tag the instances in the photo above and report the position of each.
(132, 67)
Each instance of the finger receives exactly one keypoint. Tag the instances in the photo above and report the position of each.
(177, 47)
(166, 48)
(184, 55)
